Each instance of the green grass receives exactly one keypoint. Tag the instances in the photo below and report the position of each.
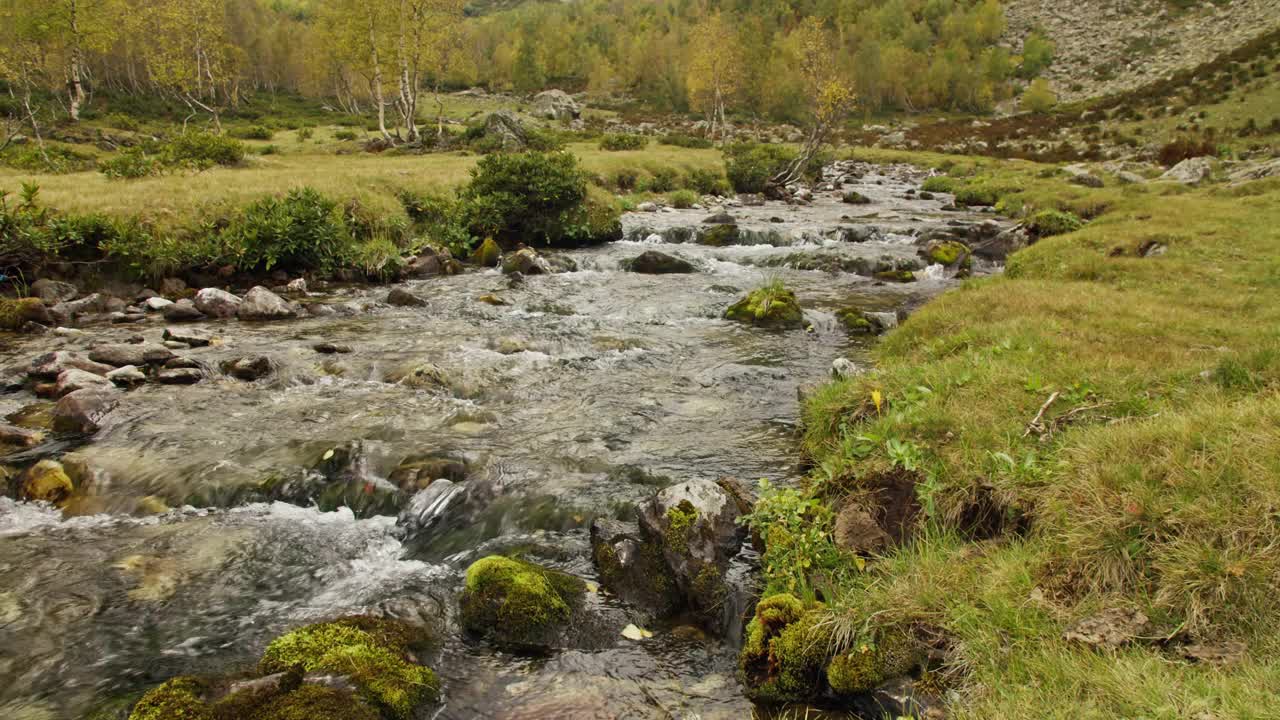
(1151, 481)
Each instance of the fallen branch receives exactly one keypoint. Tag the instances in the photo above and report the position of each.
(1035, 424)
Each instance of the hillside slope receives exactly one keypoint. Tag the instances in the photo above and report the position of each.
(1105, 46)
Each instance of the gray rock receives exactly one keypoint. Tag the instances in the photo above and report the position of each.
(156, 304)
(217, 303)
(121, 318)
(328, 348)
(1130, 178)
(84, 411)
(506, 126)
(172, 287)
(525, 261)
(182, 311)
(72, 380)
(121, 354)
(697, 522)
(1191, 171)
(430, 508)
(399, 297)
(297, 286)
(647, 207)
(88, 305)
(175, 345)
(179, 376)
(555, 105)
(127, 376)
(262, 304)
(845, 368)
(14, 436)
(192, 338)
(52, 292)
(632, 567)
(883, 321)
(114, 304)
(653, 262)
(179, 362)
(50, 365)
(248, 368)
(721, 218)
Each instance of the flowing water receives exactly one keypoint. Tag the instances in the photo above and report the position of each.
(580, 396)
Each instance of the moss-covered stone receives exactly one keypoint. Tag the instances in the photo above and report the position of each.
(719, 236)
(518, 603)
(488, 254)
(786, 652)
(855, 198)
(313, 702)
(45, 481)
(854, 321)
(14, 313)
(1048, 223)
(178, 699)
(680, 521)
(949, 254)
(898, 276)
(772, 306)
(868, 665)
(371, 651)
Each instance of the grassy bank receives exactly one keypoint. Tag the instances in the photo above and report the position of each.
(1098, 428)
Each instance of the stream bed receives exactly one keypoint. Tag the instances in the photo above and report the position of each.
(580, 395)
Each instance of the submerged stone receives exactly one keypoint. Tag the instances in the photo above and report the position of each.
(653, 262)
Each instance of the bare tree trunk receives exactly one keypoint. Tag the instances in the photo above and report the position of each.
(376, 82)
(75, 85)
(31, 115)
(439, 110)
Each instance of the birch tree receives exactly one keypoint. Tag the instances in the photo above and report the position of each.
(714, 73)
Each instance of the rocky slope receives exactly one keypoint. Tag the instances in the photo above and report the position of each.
(1106, 46)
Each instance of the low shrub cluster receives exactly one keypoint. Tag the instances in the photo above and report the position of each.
(187, 151)
(686, 141)
(750, 165)
(623, 141)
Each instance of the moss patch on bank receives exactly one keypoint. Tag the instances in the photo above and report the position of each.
(1095, 429)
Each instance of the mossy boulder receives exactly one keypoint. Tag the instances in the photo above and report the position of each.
(1048, 223)
(374, 653)
(46, 481)
(785, 656)
(314, 702)
(868, 665)
(949, 254)
(632, 567)
(488, 254)
(181, 698)
(520, 604)
(771, 306)
(695, 524)
(15, 313)
(896, 276)
(719, 235)
(854, 321)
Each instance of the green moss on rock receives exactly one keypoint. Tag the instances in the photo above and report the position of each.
(178, 699)
(951, 253)
(14, 313)
(680, 520)
(854, 322)
(370, 651)
(772, 306)
(855, 198)
(719, 236)
(488, 254)
(1048, 223)
(898, 276)
(518, 603)
(45, 481)
(867, 666)
(786, 652)
(315, 702)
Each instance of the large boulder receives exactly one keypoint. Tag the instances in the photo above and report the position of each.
(653, 262)
(262, 304)
(525, 261)
(506, 126)
(184, 310)
(1191, 171)
(52, 292)
(556, 105)
(632, 567)
(14, 314)
(217, 303)
(697, 522)
(73, 379)
(83, 411)
(488, 254)
(519, 604)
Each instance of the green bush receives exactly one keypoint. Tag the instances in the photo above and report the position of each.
(623, 141)
(201, 150)
(683, 199)
(345, 135)
(705, 181)
(129, 164)
(257, 132)
(664, 179)
(269, 150)
(439, 218)
(1048, 223)
(939, 183)
(301, 231)
(749, 165)
(305, 134)
(536, 198)
(685, 141)
(120, 121)
(52, 159)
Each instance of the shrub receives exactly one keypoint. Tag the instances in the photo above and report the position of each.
(939, 183)
(269, 150)
(1048, 223)
(440, 219)
(749, 166)
(664, 180)
(120, 121)
(201, 150)
(705, 181)
(129, 164)
(305, 134)
(531, 197)
(685, 141)
(623, 141)
(683, 199)
(1186, 147)
(625, 179)
(303, 231)
(257, 132)
(544, 140)
(345, 135)
(53, 159)
(1039, 97)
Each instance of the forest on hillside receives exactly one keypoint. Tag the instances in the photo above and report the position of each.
(740, 57)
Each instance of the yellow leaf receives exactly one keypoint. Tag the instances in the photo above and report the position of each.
(877, 398)
(862, 564)
(635, 632)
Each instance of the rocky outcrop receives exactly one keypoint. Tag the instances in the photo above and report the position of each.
(1191, 171)
(507, 128)
(556, 105)
(121, 354)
